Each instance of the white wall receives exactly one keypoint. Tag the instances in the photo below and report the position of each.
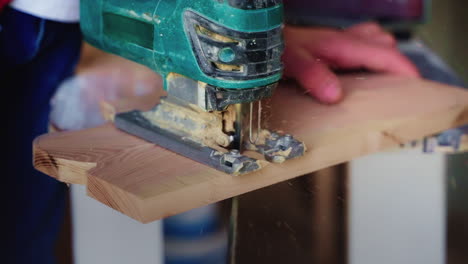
(105, 236)
(397, 209)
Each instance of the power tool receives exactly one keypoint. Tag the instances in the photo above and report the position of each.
(218, 60)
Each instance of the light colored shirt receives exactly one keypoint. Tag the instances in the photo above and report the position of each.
(57, 10)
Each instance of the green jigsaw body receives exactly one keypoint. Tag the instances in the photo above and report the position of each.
(154, 33)
(217, 59)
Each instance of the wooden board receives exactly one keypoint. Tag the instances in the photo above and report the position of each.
(148, 183)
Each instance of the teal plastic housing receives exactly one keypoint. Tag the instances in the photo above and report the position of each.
(151, 32)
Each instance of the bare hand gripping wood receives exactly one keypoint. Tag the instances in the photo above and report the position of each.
(148, 183)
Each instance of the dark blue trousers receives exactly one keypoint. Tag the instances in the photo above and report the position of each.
(36, 55)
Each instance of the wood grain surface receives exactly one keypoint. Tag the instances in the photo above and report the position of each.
(147, 182)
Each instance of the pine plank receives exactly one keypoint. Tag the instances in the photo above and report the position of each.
(147, 182)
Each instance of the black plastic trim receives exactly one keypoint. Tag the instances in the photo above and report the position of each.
(253, 4)
(257, 54)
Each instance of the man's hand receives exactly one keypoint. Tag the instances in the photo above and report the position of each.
(312, 54)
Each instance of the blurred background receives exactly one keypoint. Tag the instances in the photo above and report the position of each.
(395, 207)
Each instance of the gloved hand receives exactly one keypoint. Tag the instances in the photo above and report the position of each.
(312, 54)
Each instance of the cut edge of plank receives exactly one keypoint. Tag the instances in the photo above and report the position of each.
(64, 170)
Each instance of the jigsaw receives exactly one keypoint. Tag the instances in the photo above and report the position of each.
(218, 58)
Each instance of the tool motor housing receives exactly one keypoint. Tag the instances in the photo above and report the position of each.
(230, 44)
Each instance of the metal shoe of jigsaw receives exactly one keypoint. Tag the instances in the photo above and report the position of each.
(218, 60)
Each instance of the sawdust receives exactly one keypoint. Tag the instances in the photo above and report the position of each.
(261, 140)
(260, 163)
(204, 31)
(190, 122)
(229, 67)
(229, 118)
(284, 153)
